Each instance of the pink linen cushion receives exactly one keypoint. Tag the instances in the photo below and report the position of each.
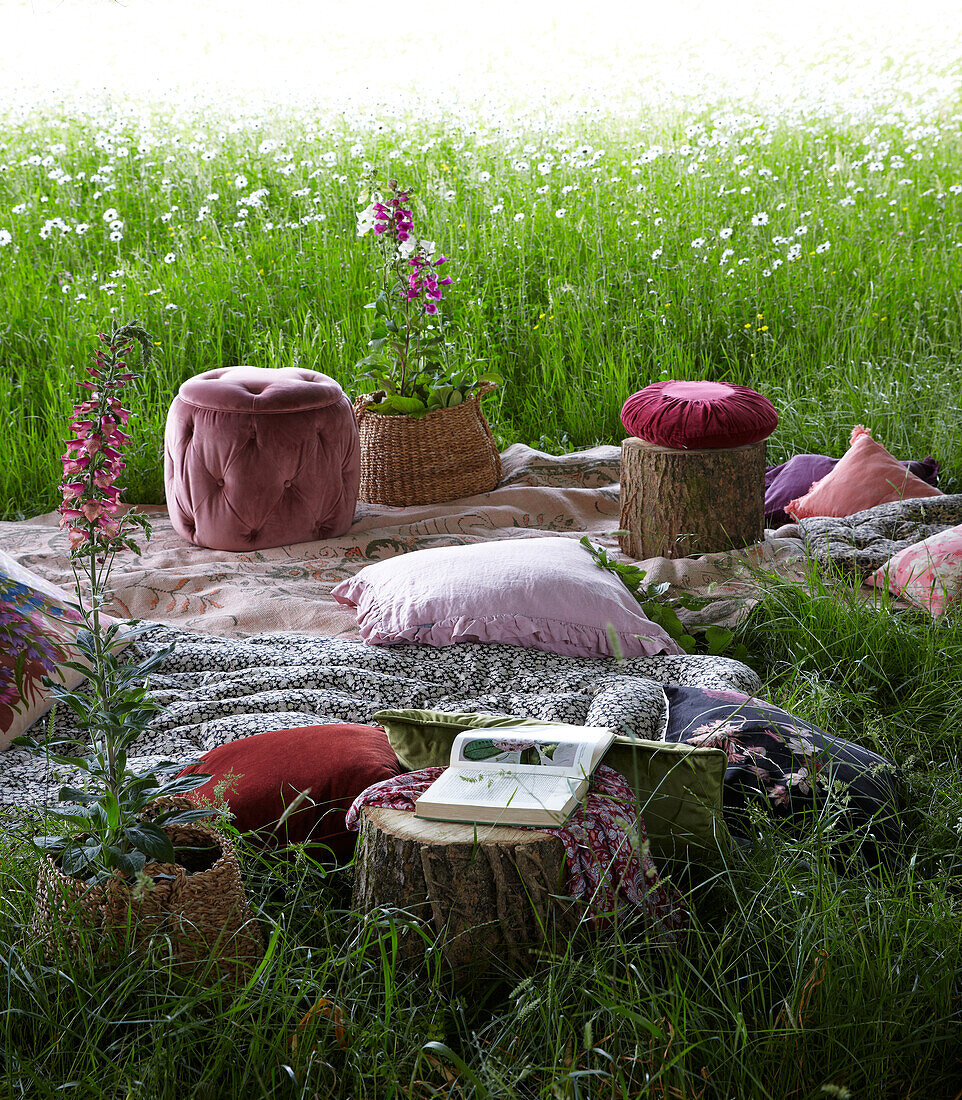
(37, 623)
(928, 573)
(699, 415)
(542, 593)
(866, 475)
(258, 457)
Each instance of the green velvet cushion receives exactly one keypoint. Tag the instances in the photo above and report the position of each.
(678, 787)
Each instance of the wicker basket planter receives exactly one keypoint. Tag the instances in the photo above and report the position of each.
(201, 908)
(448, 453)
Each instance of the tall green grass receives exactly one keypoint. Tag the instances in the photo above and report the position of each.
(568, 301)
(808, 973)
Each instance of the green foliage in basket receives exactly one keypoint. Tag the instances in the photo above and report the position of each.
(102, 828)
(409, 358)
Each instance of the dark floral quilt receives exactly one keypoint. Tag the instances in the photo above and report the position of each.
(213, 690)
(786, 766)
(864, 541)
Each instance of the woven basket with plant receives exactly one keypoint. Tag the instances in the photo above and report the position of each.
(424, 437)
(125, 858)
(196, 904)
(445, 454)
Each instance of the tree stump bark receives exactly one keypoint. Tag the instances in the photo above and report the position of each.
(678, 504)
(490, 894)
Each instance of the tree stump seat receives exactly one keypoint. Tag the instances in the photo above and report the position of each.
(683, 503)
(491, 895)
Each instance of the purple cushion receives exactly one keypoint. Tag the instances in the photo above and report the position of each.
(792, 479)
(544, 593)
(256, 457)
(699, 415)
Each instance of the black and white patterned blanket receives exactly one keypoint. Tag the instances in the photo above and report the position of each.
(864, 541)
(214, 690)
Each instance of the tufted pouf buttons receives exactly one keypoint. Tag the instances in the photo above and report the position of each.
(254, 456)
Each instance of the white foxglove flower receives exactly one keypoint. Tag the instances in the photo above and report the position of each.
(365, 220)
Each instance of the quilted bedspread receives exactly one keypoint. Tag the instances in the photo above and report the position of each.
(288, 588)
(864, 541)
(212, 690)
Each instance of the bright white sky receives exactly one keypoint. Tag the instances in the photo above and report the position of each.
(370, 50)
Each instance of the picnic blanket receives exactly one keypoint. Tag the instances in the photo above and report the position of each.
(214, 690)
(288, 588)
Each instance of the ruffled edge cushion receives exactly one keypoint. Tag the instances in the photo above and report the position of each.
(543, 593)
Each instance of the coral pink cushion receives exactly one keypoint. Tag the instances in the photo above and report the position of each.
(699, 415)
(257, 458)
(544, 593)
(929, 573)
(262, 775)
(865, 476)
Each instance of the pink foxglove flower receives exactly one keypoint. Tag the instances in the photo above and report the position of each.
(92, 459)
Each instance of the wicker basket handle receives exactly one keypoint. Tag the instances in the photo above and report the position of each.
(361, 403)
(484, 389)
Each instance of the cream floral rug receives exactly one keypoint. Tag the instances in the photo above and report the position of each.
(288, 588)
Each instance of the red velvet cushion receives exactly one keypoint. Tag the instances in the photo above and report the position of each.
(699, 415)
(335, 763)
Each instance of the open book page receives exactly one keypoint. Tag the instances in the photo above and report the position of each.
(497, 787)
(516, 775)
(574, 751)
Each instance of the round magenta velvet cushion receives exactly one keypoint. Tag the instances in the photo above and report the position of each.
(693, 416)
(257, 457)
(265, 773)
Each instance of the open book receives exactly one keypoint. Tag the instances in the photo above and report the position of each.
(516, 775)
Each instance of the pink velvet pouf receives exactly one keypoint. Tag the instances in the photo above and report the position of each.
(257, 457)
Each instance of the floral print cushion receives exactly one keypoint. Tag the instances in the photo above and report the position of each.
(786, 765)
(36, 627)
(928, 573)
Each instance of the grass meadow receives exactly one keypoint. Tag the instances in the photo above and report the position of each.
(809, 246)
